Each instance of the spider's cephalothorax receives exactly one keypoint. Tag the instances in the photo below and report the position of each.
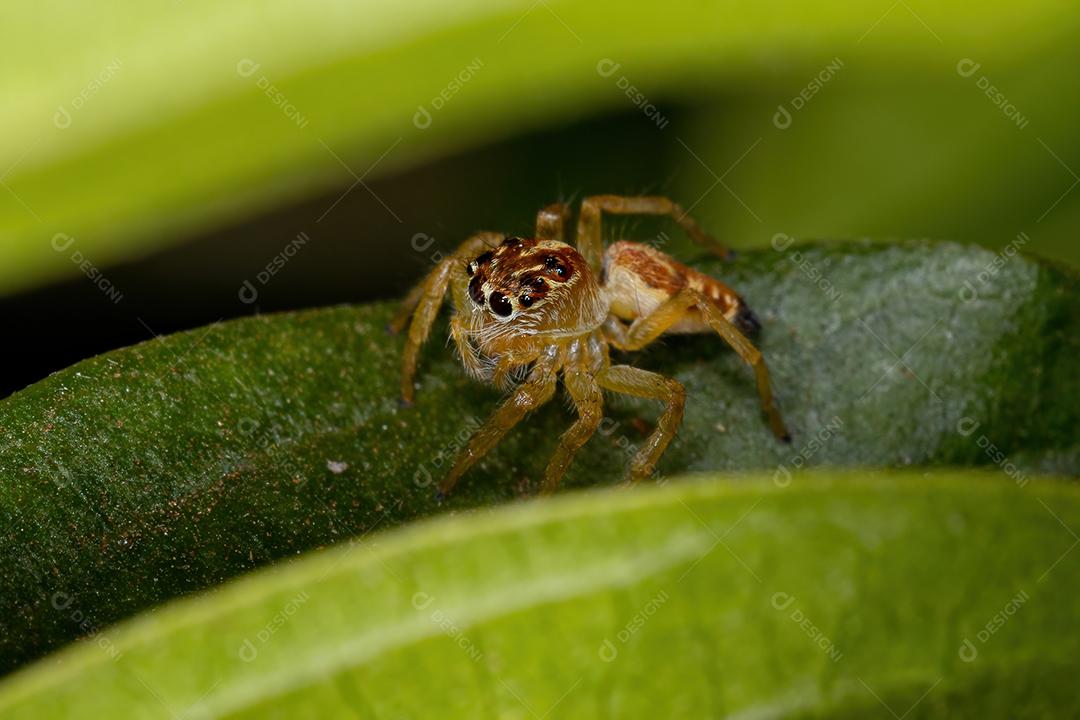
(536, 285)
(528, 310)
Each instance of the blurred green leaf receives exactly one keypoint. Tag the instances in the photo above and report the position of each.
(131, 134)
(167, 467)
(839, 596)
(979, 157)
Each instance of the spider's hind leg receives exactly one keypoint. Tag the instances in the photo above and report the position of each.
(590, 241)
(646, 329)
(642, 383)
(551, 222)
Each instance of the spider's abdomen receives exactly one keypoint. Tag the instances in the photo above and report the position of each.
(638, 278)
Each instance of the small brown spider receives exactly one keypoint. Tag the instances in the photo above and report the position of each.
(527, 309)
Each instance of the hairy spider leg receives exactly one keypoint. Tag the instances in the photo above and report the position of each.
(589, 400)
(646, 329)
(424, 301)
(537, 389)
(590, 241)
(551, 222)
(642, 383)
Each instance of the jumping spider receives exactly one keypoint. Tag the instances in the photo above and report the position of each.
(528, 309)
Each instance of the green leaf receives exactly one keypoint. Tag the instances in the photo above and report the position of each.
(172, 118)
(841, 595)
(167, 467)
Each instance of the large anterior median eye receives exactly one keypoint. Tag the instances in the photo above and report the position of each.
(500, 304)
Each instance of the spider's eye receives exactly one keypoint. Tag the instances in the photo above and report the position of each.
(526, 300)
(483, 259)
(500, 304)
(475, 291)
(552, 263)
(512, 241)
(538, 284)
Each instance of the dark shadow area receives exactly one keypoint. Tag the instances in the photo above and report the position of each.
(357, 245)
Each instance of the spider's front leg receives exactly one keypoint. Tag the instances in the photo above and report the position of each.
(424, 300)
(590, 241)
(537, 389)
(589, 401)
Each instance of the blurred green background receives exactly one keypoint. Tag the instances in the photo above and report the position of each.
(158, 157)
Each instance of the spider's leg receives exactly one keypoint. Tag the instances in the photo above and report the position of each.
(646, 329)
(750, 355)
(642, 383)
(424, 301)
(590, 241)
(589, 401)
(534, 392)
(551, 222)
